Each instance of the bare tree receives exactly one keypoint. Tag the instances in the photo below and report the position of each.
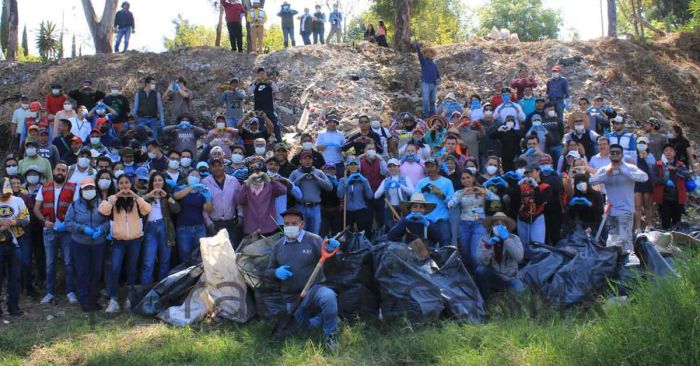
(612, 19)
(402, 25)
(102, 30)
(219, 25)
(13, 36)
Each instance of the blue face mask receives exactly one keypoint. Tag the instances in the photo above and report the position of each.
(476, 104)
(192, 180)
(506, 98)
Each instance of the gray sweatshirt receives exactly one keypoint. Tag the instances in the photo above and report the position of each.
(620, 186)
(233, 101)
(301, 256)
(512, 254)
(311, 184)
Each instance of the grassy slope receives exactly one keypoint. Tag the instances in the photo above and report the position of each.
(659, 326)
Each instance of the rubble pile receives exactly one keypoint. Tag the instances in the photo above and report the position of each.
(661, 79)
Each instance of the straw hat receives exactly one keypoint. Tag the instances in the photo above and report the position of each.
(499, 216)
(417, 198)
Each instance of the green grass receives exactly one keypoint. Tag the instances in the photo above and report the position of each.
(659, 326)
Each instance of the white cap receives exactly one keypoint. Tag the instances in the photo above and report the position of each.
(643, 139)
(574, 153)
(393, 161)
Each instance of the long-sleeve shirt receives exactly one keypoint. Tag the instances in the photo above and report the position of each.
(359, 142)
(558, 88)
(509, 109)
(161, 114)
(620, 186)
(126, 225)
(397, 188)
(80, 217)
(335, 18)
(256, 17)
(414, 171)
(412, 230)
(233, 11)
(259, 209)
(428, 68)
(232, 100)
(445, 185)
(331, 142)
(311, 186)
(223, 198)
(357, 193)
(301, 255)
(185, 138)
(507, 267)
(520, 84)
(124, 19)
(471, 205)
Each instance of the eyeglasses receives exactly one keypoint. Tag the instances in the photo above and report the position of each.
(615, 152)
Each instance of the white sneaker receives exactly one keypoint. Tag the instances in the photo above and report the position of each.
(72, 298)
(127, 304)
(48, 299)
(113, 306)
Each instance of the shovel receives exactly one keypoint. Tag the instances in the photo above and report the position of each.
(285, 319)
(602, 221)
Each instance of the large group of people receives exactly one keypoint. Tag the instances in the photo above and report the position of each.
(101, 182)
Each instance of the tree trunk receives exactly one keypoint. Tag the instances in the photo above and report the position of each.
(4, 23)
(103, 30)
(402, 25)
(217, 43)
(612, 19)
(13, 37)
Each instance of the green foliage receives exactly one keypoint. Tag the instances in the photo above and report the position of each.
(671, 14)
(529, 18)
(46, 41)
(24, 56)
(191, 35)
(274, 38)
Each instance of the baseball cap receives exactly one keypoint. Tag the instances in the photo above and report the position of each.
(87, 182)
(394, 161)
(142, 173)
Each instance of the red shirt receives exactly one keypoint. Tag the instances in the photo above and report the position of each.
(233, 11)
(55, 103)
(520, 84)
(496, 100)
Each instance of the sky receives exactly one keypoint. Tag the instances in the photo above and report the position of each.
(154, 18)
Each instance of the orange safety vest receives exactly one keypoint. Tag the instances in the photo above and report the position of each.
(65, 198)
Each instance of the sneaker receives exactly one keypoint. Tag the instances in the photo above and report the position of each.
(72, 298)
(331, 342)
(49, 298)
(127, 304)
(632, 260)
(113, 307)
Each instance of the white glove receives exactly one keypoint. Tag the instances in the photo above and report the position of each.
(532, 182)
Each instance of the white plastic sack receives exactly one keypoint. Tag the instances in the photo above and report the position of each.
(192, 310)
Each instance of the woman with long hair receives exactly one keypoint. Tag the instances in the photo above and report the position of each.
(471, 201)
(160, 229)
(381, 35)
(370, 33)
(126, 209)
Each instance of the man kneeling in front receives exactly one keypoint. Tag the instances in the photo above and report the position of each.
(292, 262)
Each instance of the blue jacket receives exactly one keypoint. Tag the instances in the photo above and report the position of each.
(124, 19)
(335, 18)
(79, 217)
(558, 88)
(358, 193)
(428, 68)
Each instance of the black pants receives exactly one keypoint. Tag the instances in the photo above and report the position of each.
(331, 222)
(552, 223)
(235, 36)
(363, 219)
(670, 213)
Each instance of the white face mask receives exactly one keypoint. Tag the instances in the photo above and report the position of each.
(491, 169)
(152, 155)
(371, 154)
(510, 125)
(307, 145)
(115, 92)
(56, 91)
(471, 169)
(33, 179)
(236, 158)
(260, 150)
(291, 232)
(579, 128)
(67, 107)
(88, 195)
(375, 124)
(174, 164)
(12, 170)
(583, 186)
(95, 140)
(221, 125)
(31, 151)
(104, 184)
(186, 162)
(152, 87)
(25, 106)
(30, 114)
(520, 171)
(117, 173)
(669, 135)
(642, 147)
(83, 162)
(552, 113)
(537, 123)
(555, 75)
(488, 113)
(100, 111)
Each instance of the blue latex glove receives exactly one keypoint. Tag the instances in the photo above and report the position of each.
(585, 201)
(184, 125)
(171, 183)
(101, 105)
(574, 201)
(96, 233)
(283, 273)
(352, 177)
(332, 178)
(502, 231)
(206, 194)
(331, 245)
(492, 241)
(567, 104)
(407, 156)
(109, 237)
(59, 226)
(88, 231)
(547, 170)
(417, 217)
(512, 175)
(199, 187)
(670, 184)
(529, 152)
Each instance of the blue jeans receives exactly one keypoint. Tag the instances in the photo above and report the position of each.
(152, 123)
(155, 244)
(25, 247)
(187, 240)
(470, 234)
(312, 217)
(324, 299)
(126, 34)
(444, 232)
(318, 35)
(559, 107)
(429, 91)
(52, 242)
(488, 280)
(306, 36)
(555, 152)
(121, 248)
(531, 232)
(288, 33)
(89, 259)
(10, 264)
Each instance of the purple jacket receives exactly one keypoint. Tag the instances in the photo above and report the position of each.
(259, 210)
(224, 201)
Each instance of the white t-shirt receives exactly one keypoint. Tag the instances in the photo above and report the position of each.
(14, 208)
(56, 193)
(156, 213)
(598, 162)
(173, 176)
(332, 141)
(76, 178)
(81, 129)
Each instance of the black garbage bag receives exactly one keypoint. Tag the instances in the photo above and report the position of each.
(350, 274)
(570, 274)
(269, 304)
(252, 259)
(425, 290)
(169, 291)
(650, 259)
